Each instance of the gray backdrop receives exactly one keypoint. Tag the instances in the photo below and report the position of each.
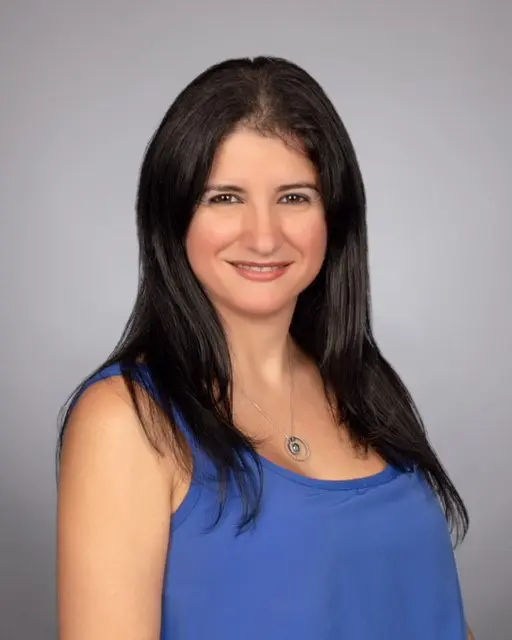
(425, 91)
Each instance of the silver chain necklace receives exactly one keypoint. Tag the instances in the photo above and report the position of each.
(297, 448)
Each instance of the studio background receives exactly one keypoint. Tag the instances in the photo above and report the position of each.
(425, 90)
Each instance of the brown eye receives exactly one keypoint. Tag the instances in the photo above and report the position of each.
(295, 198)
(223, 198)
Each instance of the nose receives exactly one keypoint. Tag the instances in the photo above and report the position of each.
(262, 230)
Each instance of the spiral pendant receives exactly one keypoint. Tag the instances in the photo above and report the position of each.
(297, 448)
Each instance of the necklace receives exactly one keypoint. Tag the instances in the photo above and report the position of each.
(297, 448)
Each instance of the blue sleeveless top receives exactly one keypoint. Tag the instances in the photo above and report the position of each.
(363, 559)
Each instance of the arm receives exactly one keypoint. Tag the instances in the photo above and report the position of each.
(114, 514)
(470, 634)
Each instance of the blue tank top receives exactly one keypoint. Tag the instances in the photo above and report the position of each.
(363, 559)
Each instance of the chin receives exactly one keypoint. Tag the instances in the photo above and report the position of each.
(259, 309)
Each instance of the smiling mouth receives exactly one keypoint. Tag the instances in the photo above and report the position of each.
(261, 267)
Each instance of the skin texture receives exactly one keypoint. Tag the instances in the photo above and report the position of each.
(114, 512)
(263, 223)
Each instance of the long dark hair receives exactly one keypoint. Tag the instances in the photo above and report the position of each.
(174, 328)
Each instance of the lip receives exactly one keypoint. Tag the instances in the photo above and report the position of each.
(251, 263)
(278, 269)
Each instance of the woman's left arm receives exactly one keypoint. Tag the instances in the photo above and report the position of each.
(470, 634)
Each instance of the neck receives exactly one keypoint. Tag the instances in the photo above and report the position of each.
(261, 350)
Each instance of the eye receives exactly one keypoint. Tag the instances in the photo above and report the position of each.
(296, 198)
(222, 198)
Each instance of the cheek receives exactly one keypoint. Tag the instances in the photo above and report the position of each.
(205, 239)
(311, 238)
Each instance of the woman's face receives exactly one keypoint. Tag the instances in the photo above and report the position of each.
(258, 237)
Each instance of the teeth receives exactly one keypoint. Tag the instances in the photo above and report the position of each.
(250, 267)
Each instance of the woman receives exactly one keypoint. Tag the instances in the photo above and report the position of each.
(246, 464)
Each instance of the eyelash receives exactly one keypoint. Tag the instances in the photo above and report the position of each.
(302, 199)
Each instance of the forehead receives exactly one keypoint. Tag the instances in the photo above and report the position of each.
(248, 155)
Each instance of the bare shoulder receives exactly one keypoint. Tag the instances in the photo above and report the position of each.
(114, 511)
(104, 417)
(105, 440)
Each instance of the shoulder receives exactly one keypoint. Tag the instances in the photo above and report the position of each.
(105, 431)
(114, 510)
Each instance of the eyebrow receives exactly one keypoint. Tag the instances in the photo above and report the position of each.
(284, 187)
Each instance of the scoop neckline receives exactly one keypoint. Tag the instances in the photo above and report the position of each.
(381, 477)
(375, 479)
